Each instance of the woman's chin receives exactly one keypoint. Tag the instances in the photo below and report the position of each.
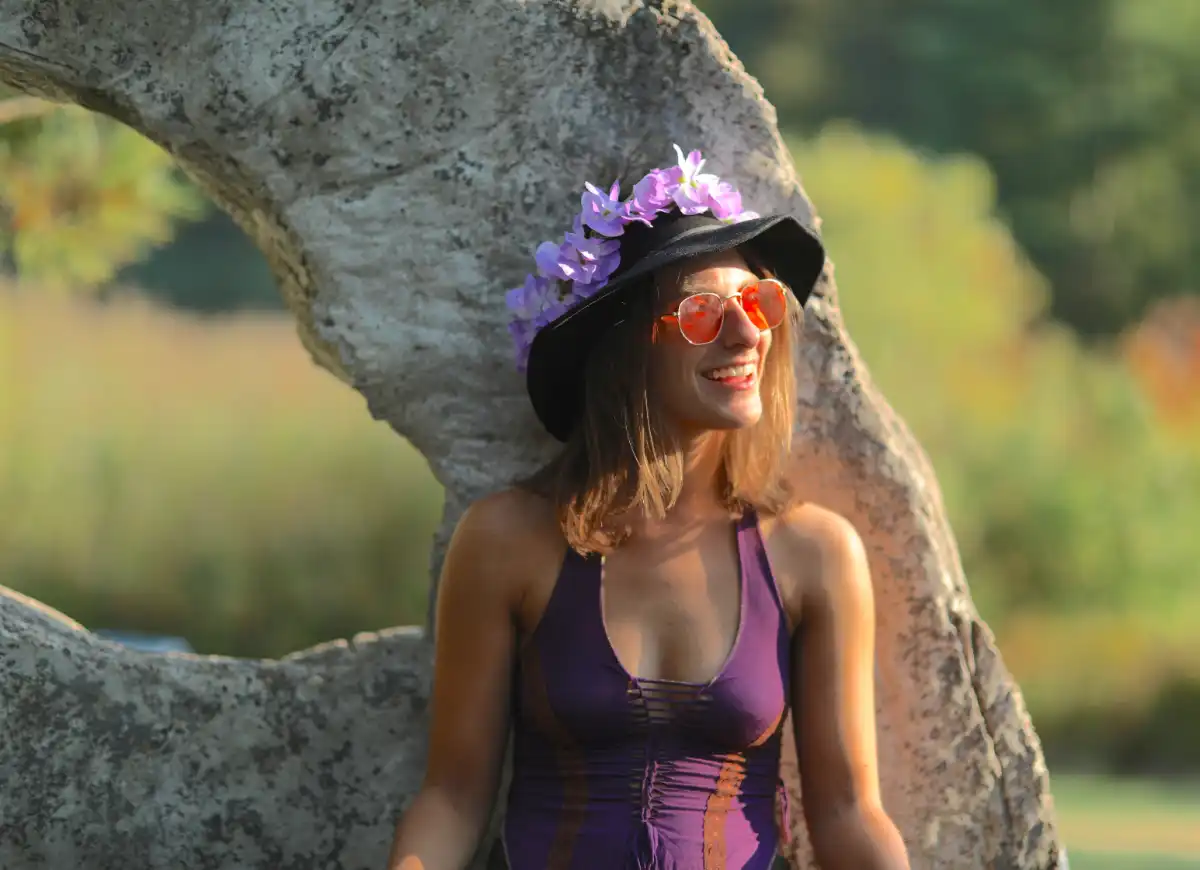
(714, 410)
(740, 413)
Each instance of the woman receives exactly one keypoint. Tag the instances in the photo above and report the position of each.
(644, 611)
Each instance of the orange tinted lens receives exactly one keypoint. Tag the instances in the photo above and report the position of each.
(765, 303)
(700, 317)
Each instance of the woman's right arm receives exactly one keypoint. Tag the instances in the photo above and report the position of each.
(480, 589)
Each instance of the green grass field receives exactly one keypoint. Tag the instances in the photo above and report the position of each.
(1110, 824)
(1129, 861)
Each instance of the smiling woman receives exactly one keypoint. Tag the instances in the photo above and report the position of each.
(644, 612)
(720, 296)
(658, 349)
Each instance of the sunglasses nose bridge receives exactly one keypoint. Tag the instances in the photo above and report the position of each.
(702, 330)
(739, 317)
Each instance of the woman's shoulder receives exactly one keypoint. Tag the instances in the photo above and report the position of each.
(511, 516)
(513, 532)
(818, 552)
(809, 525)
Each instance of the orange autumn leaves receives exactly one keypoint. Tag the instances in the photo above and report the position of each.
(1163, 351)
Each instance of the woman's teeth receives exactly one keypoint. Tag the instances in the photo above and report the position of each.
(730, 372)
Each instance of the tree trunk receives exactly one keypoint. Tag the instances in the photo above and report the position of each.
(397, 162)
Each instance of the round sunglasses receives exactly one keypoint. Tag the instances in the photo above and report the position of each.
(701, 315)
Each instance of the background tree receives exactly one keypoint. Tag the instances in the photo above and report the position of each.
(1081, 109)
(81, 194)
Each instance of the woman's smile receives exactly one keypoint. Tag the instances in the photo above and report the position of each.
(738, 376)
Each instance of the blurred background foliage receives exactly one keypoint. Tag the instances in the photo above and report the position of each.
(1010, 191)
(1083, 110)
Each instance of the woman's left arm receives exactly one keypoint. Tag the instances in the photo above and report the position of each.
(833, 699)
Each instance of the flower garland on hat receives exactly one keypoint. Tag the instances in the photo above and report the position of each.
(571, 271)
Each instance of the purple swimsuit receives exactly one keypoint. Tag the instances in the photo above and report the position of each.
(614, 772)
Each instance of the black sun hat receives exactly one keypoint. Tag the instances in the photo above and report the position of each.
(559, 350)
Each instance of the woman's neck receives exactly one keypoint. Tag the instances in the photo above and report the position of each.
(701, 497)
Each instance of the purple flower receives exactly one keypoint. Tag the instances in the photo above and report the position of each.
(723, 200)
(651, 195)
(529, 299)
(691, 196)
(744, 216)
(577, 235)
(552, 312)
(596, 274)
(689, 166)
(560, 262)
(580, 292)
(603, 268)
(604, 213)
(589, 248)
(522, 332)
(597, 249)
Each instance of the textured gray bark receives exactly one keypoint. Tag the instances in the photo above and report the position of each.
(118, 759)
(397, 162)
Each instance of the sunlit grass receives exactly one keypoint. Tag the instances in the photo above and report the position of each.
(1128, 824)
(199, 476)
(1130, 861)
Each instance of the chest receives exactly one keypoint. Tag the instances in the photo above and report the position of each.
(698, 643)
(672, 616)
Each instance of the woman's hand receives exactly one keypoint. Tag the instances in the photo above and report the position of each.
(833, 693)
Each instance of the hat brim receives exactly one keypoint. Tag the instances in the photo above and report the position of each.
(559, 353)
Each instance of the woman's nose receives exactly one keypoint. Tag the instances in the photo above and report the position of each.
(738, 329)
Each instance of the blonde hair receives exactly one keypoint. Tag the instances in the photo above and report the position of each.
(616, 460)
